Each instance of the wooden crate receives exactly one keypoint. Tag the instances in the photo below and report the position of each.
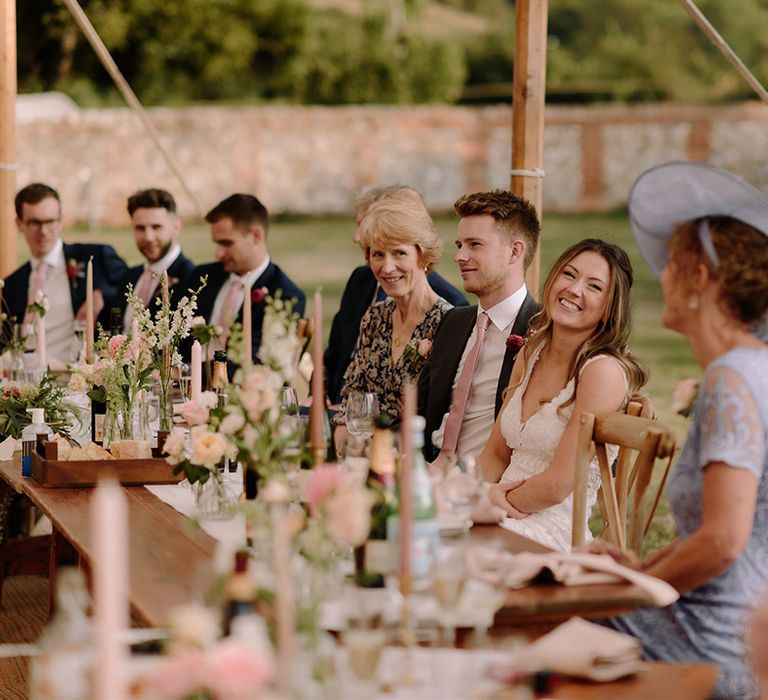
(54, 473)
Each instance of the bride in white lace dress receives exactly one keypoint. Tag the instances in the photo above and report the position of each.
(576, 359)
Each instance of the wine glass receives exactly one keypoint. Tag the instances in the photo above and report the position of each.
(449, 574)
(364, 640)
(79, 349)
(362, 407)
(184, 377)
(462, 486)
(289, 404)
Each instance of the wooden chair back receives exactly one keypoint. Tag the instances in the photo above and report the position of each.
(627, 497)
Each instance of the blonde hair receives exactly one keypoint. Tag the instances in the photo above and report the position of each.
(611, 334)
(400, 218)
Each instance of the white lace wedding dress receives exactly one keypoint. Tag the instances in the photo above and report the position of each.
(533, 445)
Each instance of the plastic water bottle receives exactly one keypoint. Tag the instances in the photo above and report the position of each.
(29, 435)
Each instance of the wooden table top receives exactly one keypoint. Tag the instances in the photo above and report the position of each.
(170, 559)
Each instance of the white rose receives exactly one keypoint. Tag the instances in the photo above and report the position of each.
(77, 383)
(232, 422)
(197, 321)
(208, 399)
(208, 448)
(174, 446)
(192, 625)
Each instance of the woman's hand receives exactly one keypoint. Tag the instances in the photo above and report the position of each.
(625, 558)
(497, 495)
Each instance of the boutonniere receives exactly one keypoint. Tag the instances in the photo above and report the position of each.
(75, 271)
(515, 341)
(173, 280)
(258, 295)
(418, 349)
(684, 397)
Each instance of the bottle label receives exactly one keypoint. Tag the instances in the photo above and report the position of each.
(27, 448)
(98, 427)
(378, 557)
(424, 543)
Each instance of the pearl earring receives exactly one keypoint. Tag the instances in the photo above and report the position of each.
(693, 303)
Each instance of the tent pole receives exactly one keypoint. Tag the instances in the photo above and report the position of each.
(528, 93)
(7, 137)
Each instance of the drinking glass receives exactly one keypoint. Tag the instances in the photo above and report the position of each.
(364, 639)
(79, 349)
(462, 486)
(448, 577)
(185, 381)
(362, 408)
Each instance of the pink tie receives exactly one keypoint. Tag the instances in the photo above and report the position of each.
(229, 310)
(144, 287)
(36, 284)
(461, 394)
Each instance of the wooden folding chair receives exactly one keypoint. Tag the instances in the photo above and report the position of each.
(626, 498)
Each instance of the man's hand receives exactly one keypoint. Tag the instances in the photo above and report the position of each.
(497, 495)
(98, 305)
(625, 558)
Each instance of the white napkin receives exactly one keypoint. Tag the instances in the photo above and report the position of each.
(581, 649)
(8, 447)
(570, 569)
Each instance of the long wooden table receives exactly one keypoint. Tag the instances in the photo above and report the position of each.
(171, 562)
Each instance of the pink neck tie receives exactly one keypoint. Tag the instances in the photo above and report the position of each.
(461, 393)
(36, 285)
(229, 310)
(144, 287)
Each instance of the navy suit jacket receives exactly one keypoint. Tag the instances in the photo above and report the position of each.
(436, 379)
(357, 297)
(108, 269)
(273, 279)
(179, 273)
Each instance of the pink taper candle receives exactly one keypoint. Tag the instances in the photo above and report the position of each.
(196, 372)
(89, 325)
(109, 525)
(247, 326)
(316, 417)
(406, 483)
(285, 616)
(42, 357)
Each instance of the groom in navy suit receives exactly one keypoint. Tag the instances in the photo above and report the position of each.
(58, 270)
(239, 226)
(496, 241)
(156, 228)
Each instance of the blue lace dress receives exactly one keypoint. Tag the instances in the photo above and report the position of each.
(708, 624)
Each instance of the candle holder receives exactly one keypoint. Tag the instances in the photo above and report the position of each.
(407, 634)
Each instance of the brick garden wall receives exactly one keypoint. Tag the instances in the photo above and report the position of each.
(312, 160)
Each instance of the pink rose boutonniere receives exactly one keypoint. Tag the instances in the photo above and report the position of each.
(75, 271)
(424, 348)
(515, 342)
(418, 350)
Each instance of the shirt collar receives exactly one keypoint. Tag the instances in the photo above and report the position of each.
(159, 267)
(505, 312)
(249, 278)
(54, 257)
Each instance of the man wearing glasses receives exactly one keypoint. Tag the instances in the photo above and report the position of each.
(57, 269)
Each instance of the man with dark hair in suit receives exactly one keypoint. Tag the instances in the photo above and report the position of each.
(239, 226)
(156, 228)
(462, 384)
(360, 292)
(58, 270)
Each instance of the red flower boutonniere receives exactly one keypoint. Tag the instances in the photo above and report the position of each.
(75, 271)
(258, 295)
(515, 342)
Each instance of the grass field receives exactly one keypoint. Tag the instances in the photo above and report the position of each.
(319, 252)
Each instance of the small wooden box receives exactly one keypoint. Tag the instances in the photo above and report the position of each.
(54, 473)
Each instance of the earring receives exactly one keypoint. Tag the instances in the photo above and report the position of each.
(693, 303)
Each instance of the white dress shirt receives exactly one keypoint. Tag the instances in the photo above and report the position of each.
(157, 269)
(478, 416)
(247, 280)
(60, 317)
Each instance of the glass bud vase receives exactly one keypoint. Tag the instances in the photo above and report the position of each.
(165, 418)
(215, 500)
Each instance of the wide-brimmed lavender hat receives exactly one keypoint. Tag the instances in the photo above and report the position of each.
(672, 193)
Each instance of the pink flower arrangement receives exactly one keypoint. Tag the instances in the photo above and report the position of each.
(322, 482)
(514, 341)
(115, 343)
(193, 413)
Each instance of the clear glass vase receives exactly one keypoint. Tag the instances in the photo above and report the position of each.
(214, 499)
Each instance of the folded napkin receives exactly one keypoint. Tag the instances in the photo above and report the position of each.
(577, 648)
(7, 448)
(570, 569)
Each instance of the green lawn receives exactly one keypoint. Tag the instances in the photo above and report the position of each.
(319, 252)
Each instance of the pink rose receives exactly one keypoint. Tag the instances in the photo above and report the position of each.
(348, 514)
(424, 347)
(193, 413)
(235, 671)
(115, 343)
(177, 676)
(515, 342)
(322, 482)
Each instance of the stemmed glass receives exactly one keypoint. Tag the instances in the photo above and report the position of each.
(184, 379)
(289, 403)
(448, 576)
(364, 639)
(362, 407)
(462, 486)
(79, 350)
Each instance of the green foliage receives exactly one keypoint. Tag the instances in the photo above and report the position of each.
(48, 395)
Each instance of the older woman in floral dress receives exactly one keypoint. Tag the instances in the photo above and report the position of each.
(401, 246)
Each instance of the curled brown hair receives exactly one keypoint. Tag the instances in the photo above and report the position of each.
(742, 268)
(611, 334)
